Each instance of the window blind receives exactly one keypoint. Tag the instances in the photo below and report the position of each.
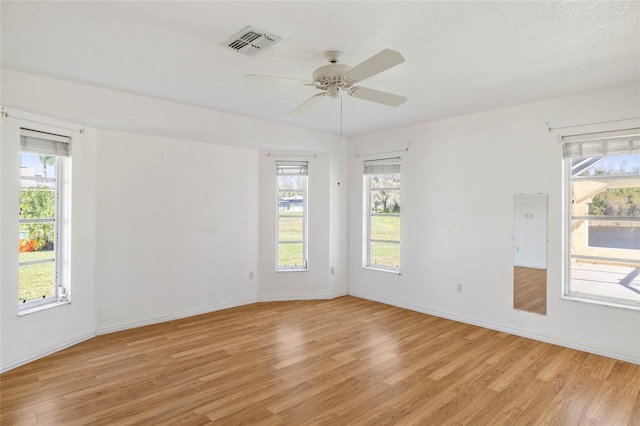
(619, 142)
(44, 143)
(384, 166)
(292, 168)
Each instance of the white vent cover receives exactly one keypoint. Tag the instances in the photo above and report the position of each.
(251, 41)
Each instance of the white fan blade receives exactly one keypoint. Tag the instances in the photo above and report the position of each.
(308, 103)
(378, 96)
(379, 62)
(281, 79)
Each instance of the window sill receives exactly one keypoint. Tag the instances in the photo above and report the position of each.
(292, 270)
(44, 307)
(388, 271)
(594, 300)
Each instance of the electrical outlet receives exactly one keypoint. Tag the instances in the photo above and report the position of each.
(459, 287)
(333, 270)
(250, 275)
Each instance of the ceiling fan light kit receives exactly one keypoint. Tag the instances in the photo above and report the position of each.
(335, 78)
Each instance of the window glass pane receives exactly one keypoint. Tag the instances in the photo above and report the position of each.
(385, 201)
(384, 219)
(391, 180)
(37, 168)
(36, 232)
(291, 202)
(35, 281)
(291, 221)
(605, 279)
(605, 227)
(290, 255)
(290, 186)
(385, 254)
(615, 165)
(615, 235)
(615, 201)
(36, 241)
(36, 236)
(37, 185)
(385, 227)
(37, 202)
(291, 228)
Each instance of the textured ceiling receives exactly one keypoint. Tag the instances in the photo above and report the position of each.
(461, 57)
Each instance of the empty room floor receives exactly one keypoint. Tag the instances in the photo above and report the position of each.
(336, 362)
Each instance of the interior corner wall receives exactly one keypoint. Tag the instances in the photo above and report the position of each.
(290, 285)
(176, 219)
(327, 274)
(339, 218)
(459, 178)
(24, 338)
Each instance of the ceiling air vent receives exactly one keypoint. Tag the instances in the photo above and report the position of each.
(251, 41)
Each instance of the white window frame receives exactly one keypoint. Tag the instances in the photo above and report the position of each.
(370, 168)
(37, 142)
(599, 144)
(293, 168)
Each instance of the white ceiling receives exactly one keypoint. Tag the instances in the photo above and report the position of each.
(461, 57)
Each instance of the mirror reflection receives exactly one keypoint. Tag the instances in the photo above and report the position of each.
(530, 253)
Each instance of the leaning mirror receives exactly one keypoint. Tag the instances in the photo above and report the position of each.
(530, 253)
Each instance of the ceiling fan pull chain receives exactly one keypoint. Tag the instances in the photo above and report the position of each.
(341, 140)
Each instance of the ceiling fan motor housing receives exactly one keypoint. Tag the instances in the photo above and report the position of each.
(332, 75)
(333, 56)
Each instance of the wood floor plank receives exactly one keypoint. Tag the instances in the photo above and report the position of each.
(345, 361)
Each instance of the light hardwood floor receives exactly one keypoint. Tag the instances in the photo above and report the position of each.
(334, 362)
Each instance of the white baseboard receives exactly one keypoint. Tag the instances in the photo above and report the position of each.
(48, 351)
(288, 298)
(503, 328)
(178, 315)
(205, 310)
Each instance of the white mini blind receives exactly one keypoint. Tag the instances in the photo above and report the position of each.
(292, 168)
(384, 166)
(44, 143)
(619, 142)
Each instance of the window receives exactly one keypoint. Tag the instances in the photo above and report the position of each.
(43, 235)
(382, 214)
(603, 213)
(291, 177)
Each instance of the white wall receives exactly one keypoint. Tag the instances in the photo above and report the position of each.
(339, 219)
(186, 160)
(176, 228)
(458, 182)
(27, 337)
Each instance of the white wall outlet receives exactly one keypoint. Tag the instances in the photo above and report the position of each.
(459, 287)
(250, 275)
(333, 270)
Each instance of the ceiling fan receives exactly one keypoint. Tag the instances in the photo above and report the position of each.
(335, 78)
